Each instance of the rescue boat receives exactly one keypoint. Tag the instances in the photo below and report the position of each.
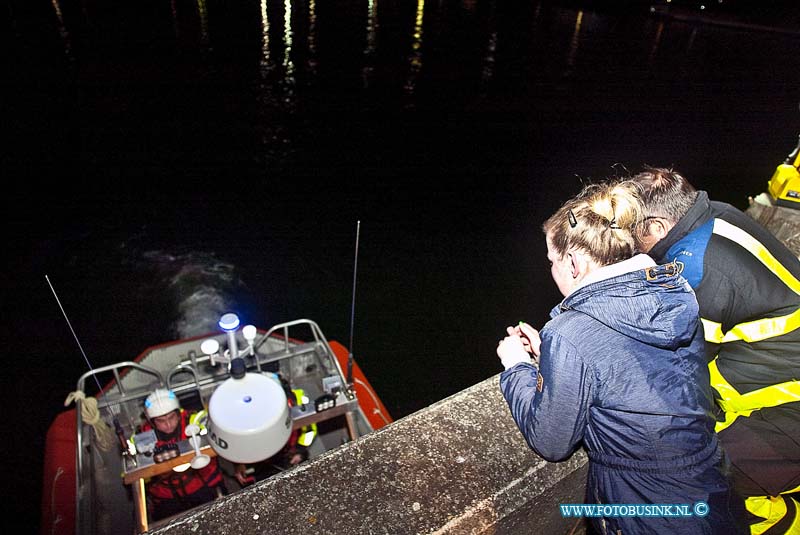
(97, 461)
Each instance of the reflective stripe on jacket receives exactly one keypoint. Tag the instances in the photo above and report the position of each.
(748, 289)
(749, 294)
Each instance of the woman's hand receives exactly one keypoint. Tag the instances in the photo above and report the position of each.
(530, 339)
(521, 345)
(511, 351)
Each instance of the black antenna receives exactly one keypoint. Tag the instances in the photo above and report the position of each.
(353, 313)
(123, 444)
(99, 388)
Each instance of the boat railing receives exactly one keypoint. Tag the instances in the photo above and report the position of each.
(283, 328)
(202, 383)
(280, 336)
(107, 401)
(115, 369)
(185, 368)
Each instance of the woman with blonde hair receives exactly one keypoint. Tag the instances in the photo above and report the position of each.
(620, 369)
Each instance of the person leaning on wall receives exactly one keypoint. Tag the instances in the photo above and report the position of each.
(748, 287)
(620, 369)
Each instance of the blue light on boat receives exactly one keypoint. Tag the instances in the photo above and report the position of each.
(229, 322)
(248, 399)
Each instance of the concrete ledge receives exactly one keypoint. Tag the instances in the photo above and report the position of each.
(783, 222)
(457, 466)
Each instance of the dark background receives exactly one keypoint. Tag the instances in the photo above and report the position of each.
(164, 159)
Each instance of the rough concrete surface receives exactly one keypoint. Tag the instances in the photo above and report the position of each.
(783, 222)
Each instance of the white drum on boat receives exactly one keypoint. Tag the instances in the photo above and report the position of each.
(248, 418)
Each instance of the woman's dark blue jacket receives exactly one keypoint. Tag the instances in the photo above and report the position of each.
(623, 372)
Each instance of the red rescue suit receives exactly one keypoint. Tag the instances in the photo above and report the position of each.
(176, 485)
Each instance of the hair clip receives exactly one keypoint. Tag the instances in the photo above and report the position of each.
(613, 224)
(572, 221)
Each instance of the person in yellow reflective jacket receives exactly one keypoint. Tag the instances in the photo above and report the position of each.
(307, 433)
(747, 284)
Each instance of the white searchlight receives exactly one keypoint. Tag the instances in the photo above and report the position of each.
(248, 414)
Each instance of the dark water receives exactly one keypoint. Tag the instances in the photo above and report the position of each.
(166, 160)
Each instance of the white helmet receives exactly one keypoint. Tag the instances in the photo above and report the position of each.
(161, 402)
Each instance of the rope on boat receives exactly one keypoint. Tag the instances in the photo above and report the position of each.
(57, 518)
(91, 415)
(375, 410)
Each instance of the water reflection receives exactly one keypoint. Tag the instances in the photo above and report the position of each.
(574, 43)
(62, 30)
(312, 36)
(487, 72)
(288, 63)
(470, 44)
(264, 62)
(415, 61)
(266, 131)
(369, 49)
(174, 10)
(203, 12)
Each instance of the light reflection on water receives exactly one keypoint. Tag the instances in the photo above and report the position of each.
(288, 64)
(265, 59)
(415, 59)
(369, 49)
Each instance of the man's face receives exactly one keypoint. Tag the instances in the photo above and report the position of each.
(655, 229)
(167, 423)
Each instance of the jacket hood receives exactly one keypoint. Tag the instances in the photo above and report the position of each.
(654, 305)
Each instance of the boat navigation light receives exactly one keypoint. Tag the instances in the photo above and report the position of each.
(209, 347)
(229, 322)
(249, 333)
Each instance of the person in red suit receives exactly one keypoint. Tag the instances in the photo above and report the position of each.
(176, 491)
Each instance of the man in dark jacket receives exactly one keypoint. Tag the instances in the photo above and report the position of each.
(748, 290)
